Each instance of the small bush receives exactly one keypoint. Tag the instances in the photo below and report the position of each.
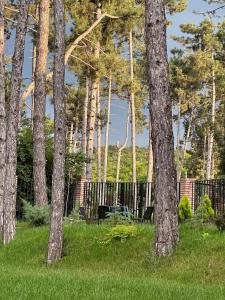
(36, 216)
(118, 218)
(74, 216)
(204, 211)
(184, 209)
(120, 233)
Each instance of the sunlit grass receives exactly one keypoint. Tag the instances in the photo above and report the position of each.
(129, 270)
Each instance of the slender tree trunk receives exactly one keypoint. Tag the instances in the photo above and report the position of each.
(71, 141)
(2, 113)
(133, 113)
(166, 202)
(99, 133)
(58, 181)
(107, 131)
(211, 133)
(92, 115)
(133, 125)
(204, 154)
(10, 188)
(184, 150)
(178, 124)
(150, 168)
(39, 160)
(84, 121)
(120, 149)
(34, 56)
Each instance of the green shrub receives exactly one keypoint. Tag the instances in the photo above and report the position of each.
(74, 216)
(118, 218)
(204, 211)
(36, 216)
(184, 209)
(120, 233)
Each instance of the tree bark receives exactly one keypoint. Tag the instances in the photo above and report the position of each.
(133, 112)
(150, 168)
(107, 131)
(120, 149)
(92, 115)
(84, 122)
(184, 150)
(211, 133)
(2, 112)
(58, 181)
(39, 160)
(99, 133)
(133, 125)
(166, 202)
(10, 189)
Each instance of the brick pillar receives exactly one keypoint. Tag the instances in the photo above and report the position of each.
(187, 187)
(79, 193)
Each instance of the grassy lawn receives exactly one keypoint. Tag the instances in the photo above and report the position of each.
(126, 270)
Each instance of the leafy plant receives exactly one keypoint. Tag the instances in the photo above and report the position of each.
(204, 211)
(36, 216)
(120, 233)
(184, 209)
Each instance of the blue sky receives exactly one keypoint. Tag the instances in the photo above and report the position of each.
(119, 108)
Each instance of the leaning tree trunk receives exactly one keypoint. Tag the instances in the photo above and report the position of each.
(58, 181)
(2, 113)
(92, 114)
(10, 189)
(167, 234)
(39, 160)
(209, 171)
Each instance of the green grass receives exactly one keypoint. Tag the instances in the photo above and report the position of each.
(126, 270)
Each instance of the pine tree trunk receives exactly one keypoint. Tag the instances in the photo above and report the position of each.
(2, 113)
(184, 150)
(84, 121)
(99, 133)
(39, 160)
(34, 57)
(120, 149)
(107, 131)
(150, 168)
(133, 126)
(92, 115)
(10, 189)
(133, 113)
(211, 133)
(166, 202)
(71, 142)
(204, 153)
(58, 181)
(178, 124)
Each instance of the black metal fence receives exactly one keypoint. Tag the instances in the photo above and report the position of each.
(215, 190)
(137, 197)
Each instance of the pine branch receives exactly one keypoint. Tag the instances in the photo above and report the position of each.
(30, 87)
